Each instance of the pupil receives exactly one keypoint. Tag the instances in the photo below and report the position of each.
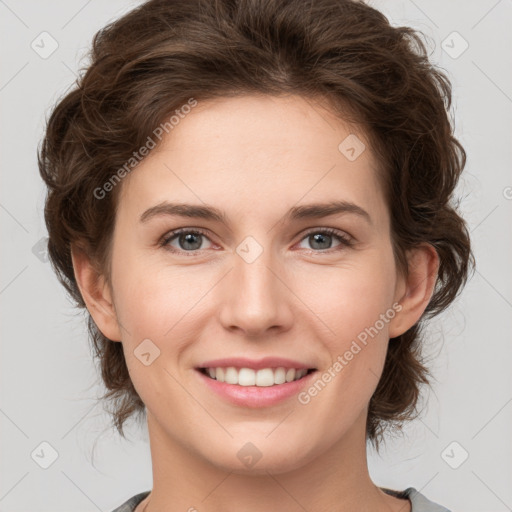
(319, 238)
(189, 239)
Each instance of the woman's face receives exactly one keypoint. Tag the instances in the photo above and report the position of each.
(263, 279)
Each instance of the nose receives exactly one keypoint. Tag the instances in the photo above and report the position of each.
(256, 297)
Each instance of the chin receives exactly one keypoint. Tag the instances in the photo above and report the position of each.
(251, 457)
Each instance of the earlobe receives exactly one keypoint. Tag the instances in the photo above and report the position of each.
(96, 294)
(414, 292)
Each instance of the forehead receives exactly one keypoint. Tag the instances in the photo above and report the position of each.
(257, 153)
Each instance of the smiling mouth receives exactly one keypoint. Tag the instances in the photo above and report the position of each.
(264, 377)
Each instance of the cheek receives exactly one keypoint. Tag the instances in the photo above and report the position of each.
(149, 295)
(352, 306)
(348, 300)
(158, 303)
(357, 309)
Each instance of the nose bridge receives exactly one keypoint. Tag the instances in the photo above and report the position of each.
(255, 298)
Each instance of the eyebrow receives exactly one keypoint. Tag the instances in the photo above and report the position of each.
(310, 211)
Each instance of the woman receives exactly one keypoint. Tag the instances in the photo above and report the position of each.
(253, 200)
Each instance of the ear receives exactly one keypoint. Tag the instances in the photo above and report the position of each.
(414, 292)
(96, 294)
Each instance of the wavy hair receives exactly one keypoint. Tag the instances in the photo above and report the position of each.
(149, 62)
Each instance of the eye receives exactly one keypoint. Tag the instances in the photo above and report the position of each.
(187, 240)
(191, 240)
(321, 239)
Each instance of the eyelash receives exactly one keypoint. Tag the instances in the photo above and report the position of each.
(344, 239)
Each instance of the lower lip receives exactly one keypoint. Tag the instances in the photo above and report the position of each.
(256, 396)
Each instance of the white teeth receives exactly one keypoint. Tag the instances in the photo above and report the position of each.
(280, 376)
(302, 373)
(231, 376)
(246, 377)
(265, 377)
(249, 377)
(290, 374)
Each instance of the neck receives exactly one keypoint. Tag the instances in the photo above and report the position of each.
(335, 480)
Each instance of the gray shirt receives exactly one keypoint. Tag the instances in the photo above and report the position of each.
(418, 502)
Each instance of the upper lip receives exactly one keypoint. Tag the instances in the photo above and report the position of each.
(255, 364)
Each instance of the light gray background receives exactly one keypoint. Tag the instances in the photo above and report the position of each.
(48, 379)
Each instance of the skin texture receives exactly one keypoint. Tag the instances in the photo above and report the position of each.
(255, 158)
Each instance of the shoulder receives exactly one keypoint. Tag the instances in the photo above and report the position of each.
(420, 503)
(129, 505)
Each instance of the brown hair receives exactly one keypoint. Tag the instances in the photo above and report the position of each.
(152, 60)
